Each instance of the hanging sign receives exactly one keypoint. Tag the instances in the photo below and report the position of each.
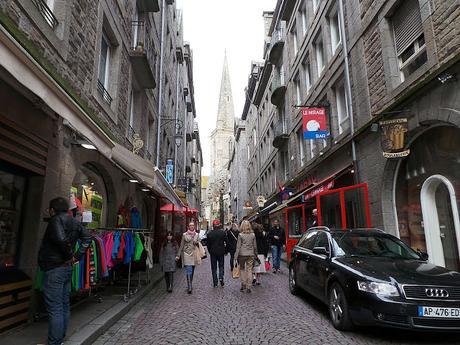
(323, 188)
(394, 138)
(314, 123)
(247, 205)
(260, 201)
(169, 171)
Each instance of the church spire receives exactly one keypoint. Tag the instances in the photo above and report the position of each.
(225, 112)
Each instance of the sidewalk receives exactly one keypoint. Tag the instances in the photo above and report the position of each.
(89, 319)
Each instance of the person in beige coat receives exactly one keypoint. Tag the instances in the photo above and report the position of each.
(187, 251)
(246, 250)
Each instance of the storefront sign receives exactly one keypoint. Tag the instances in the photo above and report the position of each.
(261, 201)
(309, 180)
(318, 190)
(394, 138)
(314, 123)
(247, 205)
(169, 171)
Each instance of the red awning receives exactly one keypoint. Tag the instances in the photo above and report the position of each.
(170, 208)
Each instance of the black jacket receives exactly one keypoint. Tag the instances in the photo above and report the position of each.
(216, 241)
(58, 244)
(262, 242)
(232, 239)
(277, 232)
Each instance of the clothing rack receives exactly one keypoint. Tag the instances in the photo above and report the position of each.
(129, 293)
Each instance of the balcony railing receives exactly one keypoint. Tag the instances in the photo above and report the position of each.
(277, 44)
(46, 13)
(278, 87)
(103, 92)
(280, 135)
(142, 55)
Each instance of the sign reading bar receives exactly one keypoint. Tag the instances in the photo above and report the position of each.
(394, 138)
(314, 123)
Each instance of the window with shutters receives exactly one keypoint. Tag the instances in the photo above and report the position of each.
(409, 38)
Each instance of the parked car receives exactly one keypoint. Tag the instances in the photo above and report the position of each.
(203, 237)
(369, 277)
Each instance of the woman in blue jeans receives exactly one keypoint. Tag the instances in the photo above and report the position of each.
(277, 240)
(187, 251)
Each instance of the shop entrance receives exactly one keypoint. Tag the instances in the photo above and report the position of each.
(441, 221)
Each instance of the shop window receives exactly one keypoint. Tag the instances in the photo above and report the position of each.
(295, 221)
(89, 196)
(12, 188)
(409, 38)
(425, 187)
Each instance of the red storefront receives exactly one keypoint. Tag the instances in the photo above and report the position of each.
(339, 203)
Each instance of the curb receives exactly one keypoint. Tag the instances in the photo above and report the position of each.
(93, 330)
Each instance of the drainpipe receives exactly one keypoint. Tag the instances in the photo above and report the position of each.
(176, 115)
(160, 87)
(348, 90)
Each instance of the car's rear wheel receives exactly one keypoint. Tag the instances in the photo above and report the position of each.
(293, 281)
(338, 308)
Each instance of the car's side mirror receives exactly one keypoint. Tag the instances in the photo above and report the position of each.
(423, 255)
(320, 251)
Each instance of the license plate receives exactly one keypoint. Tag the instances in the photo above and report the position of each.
(453, 313)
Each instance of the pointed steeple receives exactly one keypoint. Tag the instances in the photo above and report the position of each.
(225, 112)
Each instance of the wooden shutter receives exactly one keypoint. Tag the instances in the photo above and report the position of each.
(407, 24)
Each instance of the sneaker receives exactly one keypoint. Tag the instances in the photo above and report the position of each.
(257, 283)
(279, 270)
(242, 289)
(274, 271)
(215, 285)
(248, 290)
(254, 281)
(222, 283)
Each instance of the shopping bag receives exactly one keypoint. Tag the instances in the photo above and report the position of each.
(236, 272)
(202, 251)
(267, 265)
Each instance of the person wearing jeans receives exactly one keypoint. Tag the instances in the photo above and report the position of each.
(55, 259)
(246, 251)
(186, 251)
(216, 247)
(277, 239)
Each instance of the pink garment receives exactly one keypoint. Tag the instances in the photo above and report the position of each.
(108, 243)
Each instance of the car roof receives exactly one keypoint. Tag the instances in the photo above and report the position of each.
(349, 230)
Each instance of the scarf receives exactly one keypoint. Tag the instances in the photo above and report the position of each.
(191, 233)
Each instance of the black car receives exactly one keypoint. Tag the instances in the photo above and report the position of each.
(368, 277)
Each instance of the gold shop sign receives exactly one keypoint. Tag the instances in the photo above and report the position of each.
(394, 138)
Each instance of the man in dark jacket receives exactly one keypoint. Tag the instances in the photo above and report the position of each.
(232, 238)
(55, 259)
(216, 247)
(277, 240)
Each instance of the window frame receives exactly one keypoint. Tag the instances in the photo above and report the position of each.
(341, 120)
(319, 54)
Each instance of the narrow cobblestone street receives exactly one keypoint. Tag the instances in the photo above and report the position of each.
(269, 315)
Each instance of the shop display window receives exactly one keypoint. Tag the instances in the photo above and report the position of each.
(296, 224)
(434, 156)
(11, 198)
(88, 198)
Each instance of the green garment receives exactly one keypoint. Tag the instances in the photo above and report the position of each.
(38, 281)
(139, 247)
(93, 245)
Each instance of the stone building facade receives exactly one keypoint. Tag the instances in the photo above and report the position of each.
(364, 62)
(94, 96)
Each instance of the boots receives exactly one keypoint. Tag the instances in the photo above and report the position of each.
(167, 280)
(171, 282)
(189, 284)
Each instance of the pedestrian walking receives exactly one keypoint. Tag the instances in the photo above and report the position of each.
(188, 252)
(277, 240)
(246, 250)
(168, 263)
(216, 248)
(55, 259)
(262, 251)
(232, 239)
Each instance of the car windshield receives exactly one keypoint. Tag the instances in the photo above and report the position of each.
(371, 244)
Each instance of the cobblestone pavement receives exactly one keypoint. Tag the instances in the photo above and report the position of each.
(268, 315)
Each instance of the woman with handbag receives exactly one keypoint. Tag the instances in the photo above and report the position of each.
(246, 250)
(167, 259)
(262, 251)
(189, 251)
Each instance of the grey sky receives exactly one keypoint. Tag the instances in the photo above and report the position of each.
(211, 27)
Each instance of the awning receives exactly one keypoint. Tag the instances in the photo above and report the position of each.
(23, 67)
(170, 208)
(146, 173)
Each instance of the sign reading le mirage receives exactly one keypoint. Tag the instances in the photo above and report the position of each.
(394, 138)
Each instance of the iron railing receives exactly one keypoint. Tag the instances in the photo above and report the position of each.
(277, 36)
(140, 44)
(46, 13)
(104, 93)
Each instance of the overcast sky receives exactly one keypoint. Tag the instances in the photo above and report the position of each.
(211, 27)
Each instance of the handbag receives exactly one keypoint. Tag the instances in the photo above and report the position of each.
(202, 251)
(267, 265)
(256, 261)
(236, 272)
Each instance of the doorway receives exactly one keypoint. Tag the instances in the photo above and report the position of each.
(441, 221)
